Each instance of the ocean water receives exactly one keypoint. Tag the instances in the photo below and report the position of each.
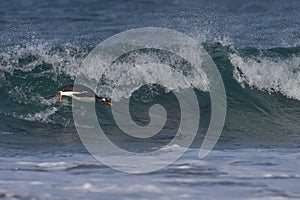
(255, 46)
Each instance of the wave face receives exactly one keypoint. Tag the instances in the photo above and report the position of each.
(262, 85)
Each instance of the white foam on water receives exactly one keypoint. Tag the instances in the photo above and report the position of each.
(269, 74)
(42, 116)
(173, 147)
(51, 164)
(6, 133)
(171, 79)
(66, 59)
(18, 94)
(122, 78)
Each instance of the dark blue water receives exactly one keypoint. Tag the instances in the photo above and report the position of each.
(256, 47)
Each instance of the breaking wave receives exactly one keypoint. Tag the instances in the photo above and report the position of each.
(262, 85)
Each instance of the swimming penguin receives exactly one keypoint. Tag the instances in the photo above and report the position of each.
(81, 93)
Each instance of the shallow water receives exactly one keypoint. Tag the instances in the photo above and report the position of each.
(227, 174)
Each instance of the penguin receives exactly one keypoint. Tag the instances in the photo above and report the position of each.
(81, 93)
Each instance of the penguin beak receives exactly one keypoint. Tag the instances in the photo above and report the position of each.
(104, 101)
(108, 103)
(59, 96)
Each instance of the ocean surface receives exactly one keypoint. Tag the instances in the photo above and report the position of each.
(255, 46)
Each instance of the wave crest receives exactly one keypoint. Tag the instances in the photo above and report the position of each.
(270, 74)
